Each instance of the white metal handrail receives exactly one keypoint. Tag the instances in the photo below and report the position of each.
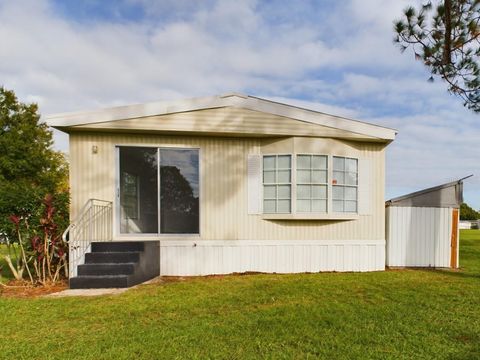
(93, 223)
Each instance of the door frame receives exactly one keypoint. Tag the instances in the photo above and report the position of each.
(454, 239)
(117, 211)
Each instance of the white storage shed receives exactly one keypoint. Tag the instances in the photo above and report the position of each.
(422, 227)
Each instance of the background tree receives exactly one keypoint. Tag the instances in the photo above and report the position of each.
(29, 167)
(467, 213)
(29, 171)
(445, 37)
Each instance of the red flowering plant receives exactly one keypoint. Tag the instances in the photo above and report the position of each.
(48, 249)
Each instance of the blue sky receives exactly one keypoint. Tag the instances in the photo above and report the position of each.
(334, 56)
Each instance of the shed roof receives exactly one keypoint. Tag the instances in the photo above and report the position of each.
(158, 116)
(446, 195)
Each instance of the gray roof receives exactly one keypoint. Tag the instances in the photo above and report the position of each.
(60, 121)
(445, 195)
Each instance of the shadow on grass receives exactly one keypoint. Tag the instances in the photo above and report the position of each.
(461, 273)
(464, 273)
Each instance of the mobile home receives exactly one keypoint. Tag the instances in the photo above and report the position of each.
(219, 185)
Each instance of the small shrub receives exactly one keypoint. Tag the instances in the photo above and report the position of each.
(36, 246)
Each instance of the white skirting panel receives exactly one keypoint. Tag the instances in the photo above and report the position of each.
(206, 257)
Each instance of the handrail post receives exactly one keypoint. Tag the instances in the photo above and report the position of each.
(90, 222)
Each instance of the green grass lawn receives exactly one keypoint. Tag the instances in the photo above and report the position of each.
(407, 314)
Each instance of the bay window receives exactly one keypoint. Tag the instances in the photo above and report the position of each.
(310, 182)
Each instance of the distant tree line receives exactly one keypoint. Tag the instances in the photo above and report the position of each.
(467, 213)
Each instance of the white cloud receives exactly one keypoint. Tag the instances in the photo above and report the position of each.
(339, 60)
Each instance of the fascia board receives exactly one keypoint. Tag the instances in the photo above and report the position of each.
(323, 119)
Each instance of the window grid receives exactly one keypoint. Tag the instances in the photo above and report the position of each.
(312, 183)
(345, 184)
(277, 181)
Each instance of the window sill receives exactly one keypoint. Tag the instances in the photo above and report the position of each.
(310, 216)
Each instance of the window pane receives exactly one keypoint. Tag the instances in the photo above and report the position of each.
(337, 193)
(319, 162)
(350, 193)
(269, 177)
(179, 191)
(351, 165)
(319, 176)
(284, 162)
(303, 176)
(338, 163)
(319, 191)
(283, 191)
(269, 206)
(277, 171)
(339, 176)
(283, 206)
(283, 176)
(350, 206)
(303, 161)
(337, 206)
(269, 162)
(319, 205)
(350, 178)
(303, 205)
(303, 192)
(269, 192)
(138, 190)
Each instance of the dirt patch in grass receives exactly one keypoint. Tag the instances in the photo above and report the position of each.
(23, 289)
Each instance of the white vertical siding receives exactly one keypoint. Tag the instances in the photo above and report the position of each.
(224, 186)
(418, 236)
(254, 191)
(365, 183)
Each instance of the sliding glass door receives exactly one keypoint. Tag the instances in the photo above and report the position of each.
(158, 190)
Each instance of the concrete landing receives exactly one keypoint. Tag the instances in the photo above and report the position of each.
(100, 292)
(87, 292)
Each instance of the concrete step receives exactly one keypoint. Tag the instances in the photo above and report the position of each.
(118, 264)
(96, 282)
(120, 246)
(106, 269)
(112, 257)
